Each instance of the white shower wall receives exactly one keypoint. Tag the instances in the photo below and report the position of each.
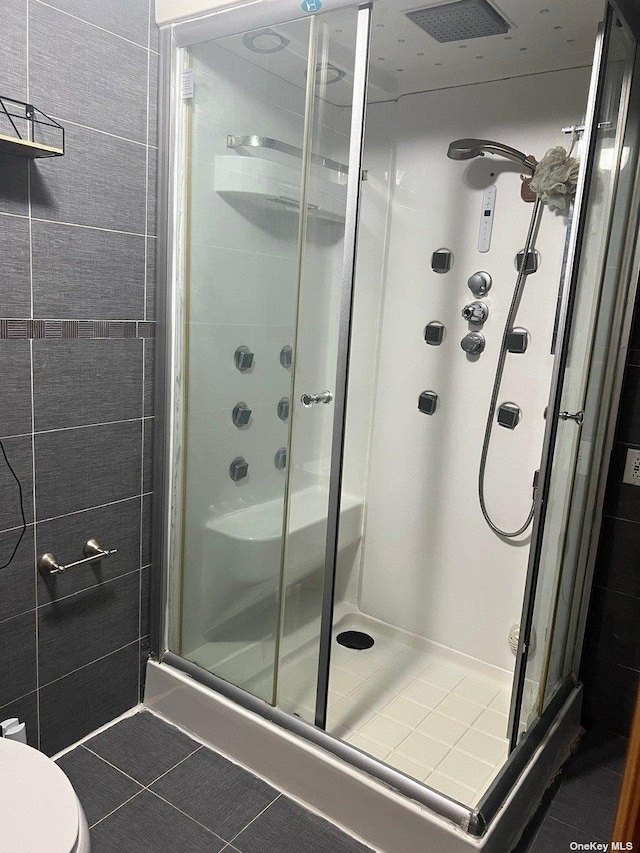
(430, 564)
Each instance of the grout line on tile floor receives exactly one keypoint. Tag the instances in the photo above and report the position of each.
(124, 773)
(131, 712)
(209, 746)
(113, 811)
(190, 817)
(88, 749)
(257, 816)
(177, 764)
(550, 817)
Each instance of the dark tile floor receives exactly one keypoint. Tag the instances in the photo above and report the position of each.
(581, 806)
(148, 788)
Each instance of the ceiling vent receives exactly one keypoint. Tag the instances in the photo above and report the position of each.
(465, 19)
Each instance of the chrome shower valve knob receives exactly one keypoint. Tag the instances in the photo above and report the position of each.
(473, 343)
(475, 312)
(479, 283)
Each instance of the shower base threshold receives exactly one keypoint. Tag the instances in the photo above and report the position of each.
(342, 783)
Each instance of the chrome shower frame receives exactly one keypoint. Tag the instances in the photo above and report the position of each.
(229, 20)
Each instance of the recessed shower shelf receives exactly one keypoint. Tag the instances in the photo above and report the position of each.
(20, 123)
(277, 186)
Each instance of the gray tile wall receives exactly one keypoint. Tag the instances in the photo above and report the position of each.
(77, 241)
(611, 658)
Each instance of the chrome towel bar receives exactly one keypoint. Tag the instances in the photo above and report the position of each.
(254, 141)
(93, 550)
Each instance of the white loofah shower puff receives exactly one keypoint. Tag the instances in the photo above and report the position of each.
(555, 178)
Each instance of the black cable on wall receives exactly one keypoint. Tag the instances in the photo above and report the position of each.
(24, 520)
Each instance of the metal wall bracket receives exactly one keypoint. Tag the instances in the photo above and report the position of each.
(35, 134)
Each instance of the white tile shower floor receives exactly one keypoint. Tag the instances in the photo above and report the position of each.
(435, 714)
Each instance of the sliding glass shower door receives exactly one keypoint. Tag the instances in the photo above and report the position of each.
(577, 418)
(322, 252)
(264, 125)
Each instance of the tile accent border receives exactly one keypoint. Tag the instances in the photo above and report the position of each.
(75, 329)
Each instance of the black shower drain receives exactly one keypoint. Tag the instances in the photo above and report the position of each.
(355, 640)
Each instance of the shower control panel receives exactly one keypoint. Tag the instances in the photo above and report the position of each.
(486, 219)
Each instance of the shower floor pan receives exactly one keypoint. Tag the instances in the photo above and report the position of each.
(435, 714)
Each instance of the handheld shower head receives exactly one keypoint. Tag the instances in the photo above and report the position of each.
(466, 149)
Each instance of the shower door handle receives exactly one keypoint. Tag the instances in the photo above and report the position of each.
(313, 399)
(578, 417)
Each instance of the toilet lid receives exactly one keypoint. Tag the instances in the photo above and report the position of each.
(38, 806)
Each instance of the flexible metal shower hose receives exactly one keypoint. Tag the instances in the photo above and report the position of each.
(511, 317)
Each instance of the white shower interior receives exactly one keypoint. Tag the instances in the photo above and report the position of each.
(435, 587)
(418, 569)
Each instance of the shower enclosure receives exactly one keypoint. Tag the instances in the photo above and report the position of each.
(344, 309)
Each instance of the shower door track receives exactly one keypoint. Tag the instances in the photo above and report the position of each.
(474, 821)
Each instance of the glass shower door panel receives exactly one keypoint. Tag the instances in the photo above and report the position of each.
(316, 352)
(595, 296)
(616, 162)
(245, 171)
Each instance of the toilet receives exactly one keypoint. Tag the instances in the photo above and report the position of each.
(40, 812)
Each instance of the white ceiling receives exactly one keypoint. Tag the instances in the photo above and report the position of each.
(544, 35)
